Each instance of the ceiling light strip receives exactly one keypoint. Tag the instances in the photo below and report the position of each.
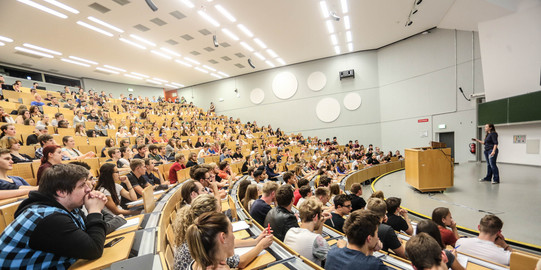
(107, 70)
(209, 68)
(6, 39)
(348, 36)
(225, 13)
(350, 47)
(337, 49)
(161, 54)
(114, 28)
(140, 75)
(115, 68)
(347, 24)
(75, 62)
(245, 30)
(230, 34)
(143, 40)
(83, 60)
(44, 8)
(281, 61)
(160, 80)
(154, 82)
(223, 74)
(2, 43)
(41, 49)
(260, 56)
(33, 52)
(270, 63)
(200, 69)
(132, 76)
(208, 18)
(272, 53)
(246, 46)
(183, 63)
(344, 4)
(91, 27)
(170, 85)
(330, 26)
(177, 84)
(170, 52)
(191, 60)
(324, 9)
(260, 43)
(133, 43)
(187, 3)
(62, 6)
(216, 75)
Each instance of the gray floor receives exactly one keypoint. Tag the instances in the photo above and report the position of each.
(516, 200)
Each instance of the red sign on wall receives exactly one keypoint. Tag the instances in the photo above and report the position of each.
(422, 120)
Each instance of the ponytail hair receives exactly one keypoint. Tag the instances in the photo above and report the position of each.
(201, 237)
(187, 215)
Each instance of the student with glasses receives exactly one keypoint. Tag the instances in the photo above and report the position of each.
(342, 205)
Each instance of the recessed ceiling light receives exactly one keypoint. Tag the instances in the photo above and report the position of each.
(347, 25)
(41, 49)
(2, 43)
(216, 75)
(75, 62)
(44, 8)
(230, 34)
(6, 39)
(82, 60)
(62, 6)
(223, 74)
(270, 63)
(33, 52)
(115, 68)
(260, 56)
(177, 84)
(334, 41)
(161, 54)
(272, 53)
(225, 13)
(106, 24)
(209, 68)
(132, 76)
(107, 70)
(324, 9)
(208, 18)
(348, 36)
(140, 75)
(350, 47)
(246, 46)
(160, 80)
(330, 27)
(191, 60)
(200, 69)
(187, 3)
(143, 40)
(91, 27)
(281, 61)
(337, 49)
(170, 52)
(170, 85)
(183, 63)
(260, 43)
(154, 82)
(344, 4)
(245, 30)
(133, 43)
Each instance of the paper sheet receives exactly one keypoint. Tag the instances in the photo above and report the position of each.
(129, 223)
(463, 260)
(135, 202)
(243, 250)
(241, 225)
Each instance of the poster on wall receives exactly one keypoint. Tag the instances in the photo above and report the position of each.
(519, 138)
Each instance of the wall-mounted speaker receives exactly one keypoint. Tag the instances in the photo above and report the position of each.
(347, 74)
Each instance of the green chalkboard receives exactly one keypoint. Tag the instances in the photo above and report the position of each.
(525, 108)
(494, 112)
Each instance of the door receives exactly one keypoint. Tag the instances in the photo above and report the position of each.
(449, 139)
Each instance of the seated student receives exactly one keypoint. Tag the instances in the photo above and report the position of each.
(271, 167)
(126, 156)
(190, 190)
(361, 229)
(136, 179)
(324, 181)
(425, 253)
(115, 156)
(307, 239)
(397, 217)
(357, 202)
(251, 194)
(57, 118)
(386, 234)
(52, 155)
(297, 194)
(107, 185)
(490, 244)
(155, 155)
(11, 182)
(142, 151)
(207, 205)
(334, 190)
(33, 138)
(8, 130)
(280, 218)
(224, 172)
(13, 145)
(204, 152)
(442, 217)
(306, 193)
(431, 228)
(48, 230)
(179, 164)
(37, 100)
(202, 175)
(323, 195)
(342, 206)
(225, 154)
(108, 144)
(262, 206)
(192, 160)
(238, 154)
(260, 177)
(290, 179)
(149, 175)
(69, 151)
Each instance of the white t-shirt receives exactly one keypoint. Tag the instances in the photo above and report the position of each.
(308, 244)
(106, 192)
(483, 249)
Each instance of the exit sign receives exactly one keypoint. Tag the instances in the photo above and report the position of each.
(422, 120)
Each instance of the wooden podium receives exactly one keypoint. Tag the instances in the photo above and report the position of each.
(429, 169)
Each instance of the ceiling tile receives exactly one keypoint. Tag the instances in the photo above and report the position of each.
(99, 7)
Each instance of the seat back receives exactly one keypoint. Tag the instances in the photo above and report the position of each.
(148, 199)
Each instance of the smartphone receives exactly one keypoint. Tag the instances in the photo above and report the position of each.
(114, 242)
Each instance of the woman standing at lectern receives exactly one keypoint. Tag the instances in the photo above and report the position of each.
(491, 154)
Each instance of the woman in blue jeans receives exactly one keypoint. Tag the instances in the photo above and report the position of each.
(491, 154)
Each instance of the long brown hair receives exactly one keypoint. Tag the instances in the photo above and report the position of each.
(201, 237)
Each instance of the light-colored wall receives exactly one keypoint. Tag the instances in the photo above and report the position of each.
(120, 88)
(516, 153)
(28, 83)
(510, 48)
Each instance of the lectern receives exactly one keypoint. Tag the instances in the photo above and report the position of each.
(429, 169)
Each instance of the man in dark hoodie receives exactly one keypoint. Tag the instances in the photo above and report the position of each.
(49, 230)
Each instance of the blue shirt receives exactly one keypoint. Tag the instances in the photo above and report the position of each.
(36, 103)
(17, 182)
(490, 140)
(259, 211)
(349, 259)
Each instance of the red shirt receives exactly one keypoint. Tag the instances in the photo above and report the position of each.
(223, 174)
(173, 172)
(447, 236)
(297, 195)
